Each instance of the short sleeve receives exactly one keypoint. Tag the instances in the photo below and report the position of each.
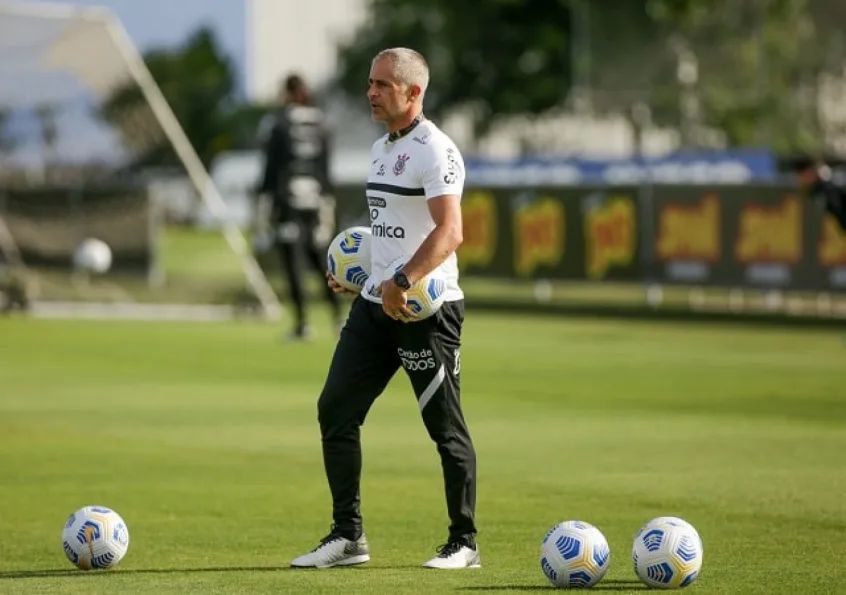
(444, 171)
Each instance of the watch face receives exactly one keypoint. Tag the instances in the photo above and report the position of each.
(401, 281)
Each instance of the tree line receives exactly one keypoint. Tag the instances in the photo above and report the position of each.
(720, 72)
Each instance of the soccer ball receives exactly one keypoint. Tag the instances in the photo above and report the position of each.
(95, 537)
(667, 553)
(673, 520)
(93, 256)
(348, 257)
(574, 554)
(426, 295)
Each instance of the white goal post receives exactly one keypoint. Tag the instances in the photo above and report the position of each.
(94, 47)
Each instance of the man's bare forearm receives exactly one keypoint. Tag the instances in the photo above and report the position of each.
(435, 249)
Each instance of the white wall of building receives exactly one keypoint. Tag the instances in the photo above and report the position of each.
(295, 35)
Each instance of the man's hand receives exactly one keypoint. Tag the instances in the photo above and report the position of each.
(395, 302)
(336, 287)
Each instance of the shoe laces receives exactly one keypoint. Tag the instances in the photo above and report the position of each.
(334, 535)
(448, 549)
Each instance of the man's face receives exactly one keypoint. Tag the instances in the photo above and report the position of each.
(389, 99)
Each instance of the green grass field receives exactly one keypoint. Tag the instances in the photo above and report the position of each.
(204, 437)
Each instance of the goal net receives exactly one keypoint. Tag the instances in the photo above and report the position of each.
(90, 148)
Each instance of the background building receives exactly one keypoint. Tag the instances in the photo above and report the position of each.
(285, 36)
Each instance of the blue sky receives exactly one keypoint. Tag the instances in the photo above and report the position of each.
(149, 23)
(152, 23)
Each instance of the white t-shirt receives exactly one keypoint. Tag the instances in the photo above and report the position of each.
(404, 175)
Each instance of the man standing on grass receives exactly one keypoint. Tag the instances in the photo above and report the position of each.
(414, 195)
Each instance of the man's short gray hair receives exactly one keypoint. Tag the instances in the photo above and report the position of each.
(410, 67)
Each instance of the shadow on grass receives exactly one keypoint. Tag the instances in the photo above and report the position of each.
(23, 574)
(120, 572)
(610, 585)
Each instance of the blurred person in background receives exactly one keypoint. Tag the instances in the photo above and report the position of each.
(820, 183)
(297, 183)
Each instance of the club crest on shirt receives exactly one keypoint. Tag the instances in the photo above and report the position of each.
(399, 166)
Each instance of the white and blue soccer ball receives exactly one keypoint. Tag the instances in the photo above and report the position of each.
(348, 257)
(574, 554)
(673, 520)
(667, 553)
(95, 538)
(93, 256)
(426, 295)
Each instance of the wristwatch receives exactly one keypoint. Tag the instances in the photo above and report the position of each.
(401, 280)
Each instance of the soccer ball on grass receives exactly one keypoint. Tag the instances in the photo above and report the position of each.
(93, 256)
(574, 554)
(667, 553)
(95, 537)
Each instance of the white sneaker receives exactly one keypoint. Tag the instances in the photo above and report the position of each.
(335, 550)
(455, 555)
